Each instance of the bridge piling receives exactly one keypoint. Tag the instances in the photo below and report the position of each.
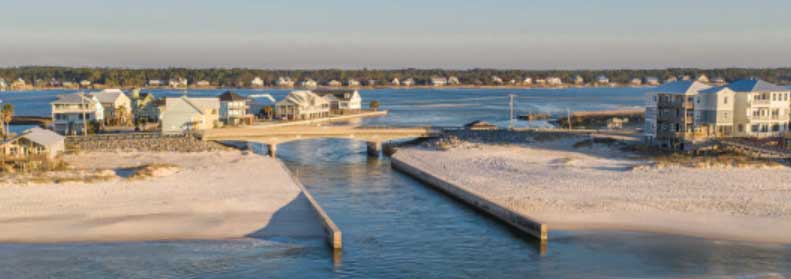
(374, 148)
(272, 150)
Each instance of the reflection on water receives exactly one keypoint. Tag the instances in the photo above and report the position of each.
(395, 227)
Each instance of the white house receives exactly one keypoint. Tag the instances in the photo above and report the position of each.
(257, 82)
(68, 112)
(527, 81)
(85, 83)
(154, 82)
(202, 83)
(602, 80)
(352, 83)
(408, 82)
(452, 80)
(578, 80)
(112, 100)
(284, 82)
(234, 109)
(761, 108)
(19, 83)
(302, 105)
(652, 81)
(309, 83)
(438, 81)
(497, 80)
(3, 84)
(178, 82)
(395, 82)
(183, 114)
(703, 78)
(342, 101)
(334, 83)
(636, 82)
(554, 81)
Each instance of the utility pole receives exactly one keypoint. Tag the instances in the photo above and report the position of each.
(511, 115)
(568, 117)
(84, 115)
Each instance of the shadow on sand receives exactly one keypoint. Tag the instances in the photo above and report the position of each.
(295, 220)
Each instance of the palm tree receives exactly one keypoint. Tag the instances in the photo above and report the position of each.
(7, 114)
(374, 105)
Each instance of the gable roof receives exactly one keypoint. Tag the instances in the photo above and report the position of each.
(681, 87)
(343, 94)
(41, 136)
(714, 90)
(75, 98)
(229, 96)
(754, 85)
(108, 95)
(201, 105)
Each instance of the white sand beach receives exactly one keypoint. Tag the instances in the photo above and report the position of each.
(601, 188)
(207, 195)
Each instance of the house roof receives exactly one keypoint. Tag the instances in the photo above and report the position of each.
(108, 95)
(343, 94)
(229, 96)
(754, 85)
(201, 105)
(713, 90)
(72, 99)
(303, 97)
(681, 87)
(41, 136)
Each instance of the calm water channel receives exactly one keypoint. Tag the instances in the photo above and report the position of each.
(395, 227)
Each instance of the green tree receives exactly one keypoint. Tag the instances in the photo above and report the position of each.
(374, 105)
(7, 114)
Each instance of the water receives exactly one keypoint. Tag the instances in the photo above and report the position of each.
(395, 227)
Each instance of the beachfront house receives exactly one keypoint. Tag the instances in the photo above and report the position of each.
(257, 82)
(408, 82)
(202, 83)
(234, 109)
(3, 84)
(395, 82)
(714, 112)
(183, 114)
(541, 81)
(342, 101)
(651, 81)
(309, 83)
(18, 84)
(438, 81)
(602, 80)
(35, 143)
(761, 109)
(334, 83)
(117, 106)
(702, 78)
(553, 81)
(352, 83)
(636, 82)
(527, 81)
(497, 80)
(578, 80)
(718, 81)
(670, 114)
(302, 105)
(452, 80)
(85, 83)
(284, 82)
(178, 82)
(69, 111)
(154, 83)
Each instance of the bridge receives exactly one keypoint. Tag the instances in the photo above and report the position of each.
(272, 136)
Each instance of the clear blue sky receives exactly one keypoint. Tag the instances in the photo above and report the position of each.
(570, 34)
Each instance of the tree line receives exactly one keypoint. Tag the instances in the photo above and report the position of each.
(241, 77)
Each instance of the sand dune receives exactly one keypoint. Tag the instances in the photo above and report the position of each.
(598, 188)
(208, 196)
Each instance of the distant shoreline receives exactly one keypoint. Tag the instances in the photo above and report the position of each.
(349, 88)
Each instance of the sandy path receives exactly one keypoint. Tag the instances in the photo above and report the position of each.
(597, 189)
(211, 195)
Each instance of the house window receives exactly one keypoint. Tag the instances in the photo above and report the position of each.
(775, 128)
(725, 100)
(755, 128)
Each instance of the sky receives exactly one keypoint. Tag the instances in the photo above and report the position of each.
(389, 34)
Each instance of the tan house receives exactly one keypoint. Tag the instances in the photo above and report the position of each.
(35, 143)
(183, 114)
(117, 106)
(302, 105)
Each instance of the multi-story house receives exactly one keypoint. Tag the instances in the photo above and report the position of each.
(714, 112)
(71, 113)
(117, 106)
(257, 82)
(438, 81)
(309, 83)
(670, 114)
(761, 108)
(302, 105)
(234, 109)
(184, 115)
(342, 101)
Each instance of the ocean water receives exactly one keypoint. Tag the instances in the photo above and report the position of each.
(396, 227)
